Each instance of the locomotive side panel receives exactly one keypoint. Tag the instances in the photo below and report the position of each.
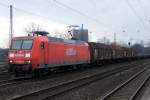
(61, 53)
(83, 53)
(55, 54)
(39, 52)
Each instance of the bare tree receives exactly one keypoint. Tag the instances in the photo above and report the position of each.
(32, 27)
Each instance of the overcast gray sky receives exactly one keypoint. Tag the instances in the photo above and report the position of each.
(128, 18)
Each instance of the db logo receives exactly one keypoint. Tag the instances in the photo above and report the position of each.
(71, 52)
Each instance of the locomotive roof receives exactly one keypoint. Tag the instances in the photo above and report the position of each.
(26, 37)
(44, 33)
(55, 39)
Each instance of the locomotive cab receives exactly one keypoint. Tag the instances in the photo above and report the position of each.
(23, 54)
(20, 55)
(20, 51)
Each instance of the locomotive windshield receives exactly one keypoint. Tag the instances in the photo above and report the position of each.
(16, 44)
(27, 44)
(21, 44)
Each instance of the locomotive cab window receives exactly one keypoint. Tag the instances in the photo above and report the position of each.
(16, 44)
(42, 45)
(21, 44)
(27, 44)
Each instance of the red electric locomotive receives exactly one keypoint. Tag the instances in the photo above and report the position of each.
(31, 54)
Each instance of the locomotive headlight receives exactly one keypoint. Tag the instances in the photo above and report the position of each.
(10, 61)
(11, 55)
(28, 61)
(27, 55)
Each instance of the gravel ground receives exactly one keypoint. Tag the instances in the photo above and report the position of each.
(28, 87)
(145, 93)
(96, 90)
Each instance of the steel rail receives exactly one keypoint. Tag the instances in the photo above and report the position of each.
(76, 83)
(105, 97)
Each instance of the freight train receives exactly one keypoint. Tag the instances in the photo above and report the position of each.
(31, 55)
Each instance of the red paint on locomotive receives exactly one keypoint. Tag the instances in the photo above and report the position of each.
(44, 52)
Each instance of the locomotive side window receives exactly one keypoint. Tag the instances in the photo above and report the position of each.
(42, 45)
(27, 44)
(16, 44)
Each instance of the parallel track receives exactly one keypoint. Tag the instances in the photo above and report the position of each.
(60, 88)
(129, 89)
(3, 66)
(4, 70)
(5, 81)
(13, 82)
(54, 91)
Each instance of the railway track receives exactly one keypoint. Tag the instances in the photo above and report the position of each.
(62, 88)
(3, 70)
(55, 88)
(3, 66)
(129, 89)
(3, 63)
(3, 74)
(11, 82)
(6, 82)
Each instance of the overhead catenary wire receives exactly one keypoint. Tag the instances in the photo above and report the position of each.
(137, 15)
(83, 14)
(93, 4)
(4, 5)
(34, 14)
(57, 20)
(140, 5)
